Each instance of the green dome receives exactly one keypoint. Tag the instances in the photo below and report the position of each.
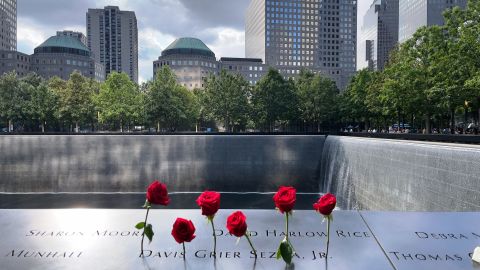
(188, 45)
(63, 44)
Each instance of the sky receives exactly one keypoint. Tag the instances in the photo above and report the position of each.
(218, 23)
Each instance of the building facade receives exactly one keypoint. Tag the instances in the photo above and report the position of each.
(112, 37)
(14, 61)
(379, 34)
(192, 61)
(8, 26)
(414, 14)
(61, 55)
(251, 69)
(291, 35)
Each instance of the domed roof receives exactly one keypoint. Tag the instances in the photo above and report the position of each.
(188, 45)
(63, 44)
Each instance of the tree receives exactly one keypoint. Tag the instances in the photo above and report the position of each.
(43, 104)
(14, 99)
(226, 99)
(76, 104)
(273, 99)
(168, 103)
(119, 100)
(317, 97)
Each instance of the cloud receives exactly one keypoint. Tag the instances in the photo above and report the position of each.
(228, 42)
(151, 43)
(219, 23)
(29, 35)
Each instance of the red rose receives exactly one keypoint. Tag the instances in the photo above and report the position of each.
(183, 230)
(325, 204)
(236, 224)
(209, 201)
(157, 193)
(285, 199)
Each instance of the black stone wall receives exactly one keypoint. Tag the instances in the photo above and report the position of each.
(110, 163)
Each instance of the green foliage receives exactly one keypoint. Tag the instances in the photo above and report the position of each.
(148, 231)
(15, 98)
(273, 100)
(285, 251)
(169, 105)
(119, 101)
(140, 225)
(75, 99)
(225, 100)
(429, 77)
(317, 97)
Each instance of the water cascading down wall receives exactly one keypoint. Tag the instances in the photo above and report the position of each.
(395, 175)
(369, 174)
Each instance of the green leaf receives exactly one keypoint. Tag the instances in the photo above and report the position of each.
(286, 251)
(140, 225)
(148, 231)
(279, 252)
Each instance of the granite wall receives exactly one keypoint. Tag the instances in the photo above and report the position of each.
(379, 174)
(112, 163)
(367, 174)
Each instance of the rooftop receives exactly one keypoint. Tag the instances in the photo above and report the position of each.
(188, 45)
(63, 44)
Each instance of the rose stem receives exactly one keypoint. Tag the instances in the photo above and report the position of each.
(251, 245)
(214, 238)
(328, 234)
(144, 225)
(184, 254)
(286, 216)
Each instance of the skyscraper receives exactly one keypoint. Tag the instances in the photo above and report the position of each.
(379, 34)
(8, 26)
(112, 37)
(294, 34)
(414, 14)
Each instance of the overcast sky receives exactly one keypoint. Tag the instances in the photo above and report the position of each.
(219, 23)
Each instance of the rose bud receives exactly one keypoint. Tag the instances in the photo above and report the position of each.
(183, 230)
(285, 199)
(325, 204)
(236, 224)
(209, 201)
(157, 193)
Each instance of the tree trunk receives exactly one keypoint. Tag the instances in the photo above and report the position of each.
(398, 121)
(10, 126)
(413, 121)
(318, 126)
(121, 126)
(427, 124)
(466, 117)
(43, 126)
(77, 128)
(478, 119)
(158, 127)
(452, 121)
(227, 125)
